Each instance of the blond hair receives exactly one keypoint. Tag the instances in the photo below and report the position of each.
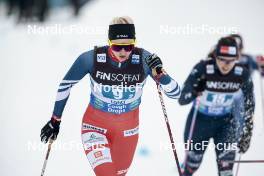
(122, 20)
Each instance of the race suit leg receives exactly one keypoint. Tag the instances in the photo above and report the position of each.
(110, 140)
(225, 145)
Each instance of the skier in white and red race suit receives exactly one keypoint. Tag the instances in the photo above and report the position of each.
(117, 73)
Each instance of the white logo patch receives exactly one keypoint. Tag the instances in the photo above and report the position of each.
(131, 132)
(95, 144)
(97, 158)
(210, 69)
(135, 59)
(94, 128)
(232, 50)
(101, 58)
(91, 138)
(122, 36)
(238, 70)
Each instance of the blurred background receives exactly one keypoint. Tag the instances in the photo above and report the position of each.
(39, 41)
(38, 10)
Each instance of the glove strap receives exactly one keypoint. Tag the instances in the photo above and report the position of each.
(55, 119)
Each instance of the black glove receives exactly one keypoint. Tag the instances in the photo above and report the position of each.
(154, 62)
(50, 130)
(199, 84)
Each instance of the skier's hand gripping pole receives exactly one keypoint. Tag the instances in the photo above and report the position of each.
(169, 129)
(48, 134)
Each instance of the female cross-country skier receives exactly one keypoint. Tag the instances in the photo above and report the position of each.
(117, 73)
(252, 63)
(212, 85)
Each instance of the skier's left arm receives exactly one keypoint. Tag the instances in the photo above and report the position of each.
(154, 67)
(249, 107)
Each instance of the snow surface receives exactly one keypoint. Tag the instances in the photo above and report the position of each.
(32, 65)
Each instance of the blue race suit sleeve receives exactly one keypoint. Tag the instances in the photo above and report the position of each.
(169, 86)
(82, 66)
(193, 84)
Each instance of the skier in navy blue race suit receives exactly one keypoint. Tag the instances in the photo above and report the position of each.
(213, 84)
(252, 63)
(117, 74)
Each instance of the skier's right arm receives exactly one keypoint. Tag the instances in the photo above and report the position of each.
(82, 66)
(193, 85)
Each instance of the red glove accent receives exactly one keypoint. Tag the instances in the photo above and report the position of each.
(55, 118)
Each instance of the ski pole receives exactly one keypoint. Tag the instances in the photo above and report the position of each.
(243, 161)
(197, 102)
(237, 169)
(169, 129)
(46, 159)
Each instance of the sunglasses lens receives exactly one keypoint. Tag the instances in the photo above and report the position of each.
(118, 48)
(129, 47)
